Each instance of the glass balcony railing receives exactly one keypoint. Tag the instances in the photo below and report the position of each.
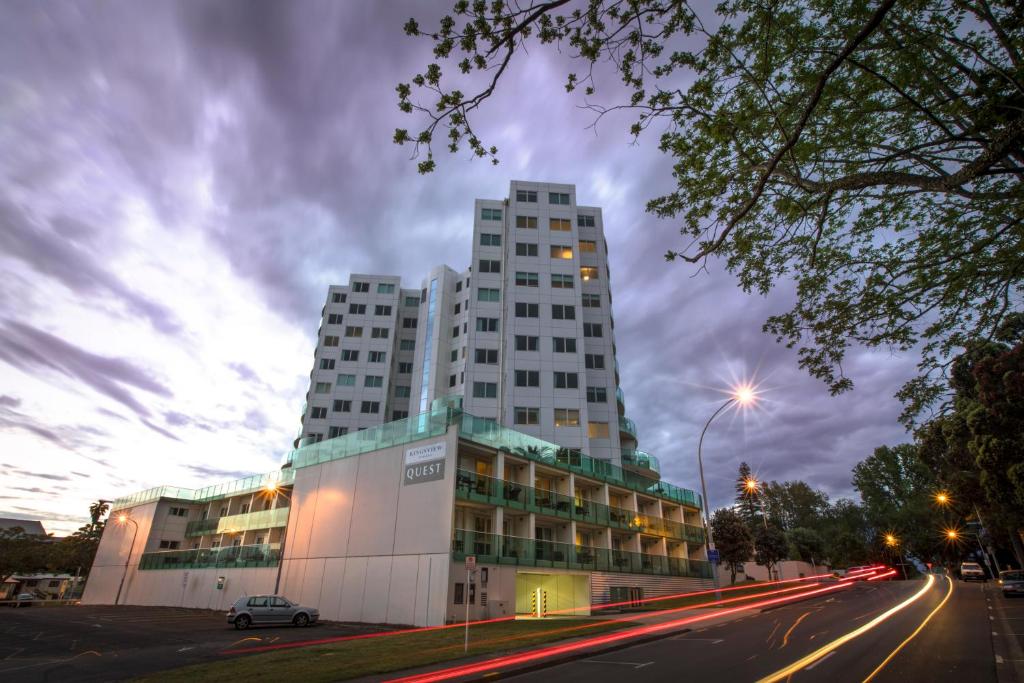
(620, 397)
(497, 549)
(263, 519)
(255, 482)
(237, 556)
(514, 496)
(628, 426)
(635, 458)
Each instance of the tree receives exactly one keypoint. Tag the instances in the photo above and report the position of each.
(806, 544)
(870, 151)
(21, 552)
(847, 534)
(733, 539)
(747, 502)
(770, 546)
(794, 504)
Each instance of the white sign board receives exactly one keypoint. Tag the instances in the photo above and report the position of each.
(424, 463)
(470, 562)
(421, 454)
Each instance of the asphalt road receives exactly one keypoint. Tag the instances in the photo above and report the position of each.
(957, 644)
(93, 643)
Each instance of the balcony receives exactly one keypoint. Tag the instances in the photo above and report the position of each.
(256, 482)
(230, 557)
(620, 400)
(511, 550)
(482, 489)
(263, 519)
(635, 460)
(628, 427)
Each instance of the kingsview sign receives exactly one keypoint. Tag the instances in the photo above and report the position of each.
(424, 463)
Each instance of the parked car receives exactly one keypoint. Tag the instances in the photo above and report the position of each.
(25, 600)
(260, 610)
(971, 571)
(1012, 582)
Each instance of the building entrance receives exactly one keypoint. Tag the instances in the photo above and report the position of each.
(552, 594)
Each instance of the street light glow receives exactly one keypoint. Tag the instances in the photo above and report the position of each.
(890, 539)
(744, 394)
(942, 498)
(751, 485)
(271, 486)
(952, 534)
(122, 519)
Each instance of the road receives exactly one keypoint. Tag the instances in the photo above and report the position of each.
(957, 644)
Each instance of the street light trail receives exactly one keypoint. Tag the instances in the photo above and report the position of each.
(835, 644)
(550, 651)
(914, 634)
(891, 572)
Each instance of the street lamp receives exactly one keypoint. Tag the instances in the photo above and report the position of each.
(123, 519)
(742, 395)
(943, 499)
(893, 542)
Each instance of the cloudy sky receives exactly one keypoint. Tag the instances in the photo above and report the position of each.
(180, 182)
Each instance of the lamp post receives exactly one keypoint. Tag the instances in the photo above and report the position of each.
(272, 488)
(944, 500)
(742, 396)
(124, 519)
(893, 542)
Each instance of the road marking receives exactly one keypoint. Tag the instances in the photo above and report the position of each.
(635, 665)
(770, 635)
(186, 649)
(808, 668)
(785, 638)
(16, 651)
(835, 644)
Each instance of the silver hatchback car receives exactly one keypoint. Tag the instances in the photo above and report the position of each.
(259, 610)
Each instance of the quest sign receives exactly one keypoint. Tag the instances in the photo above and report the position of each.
(424, 463)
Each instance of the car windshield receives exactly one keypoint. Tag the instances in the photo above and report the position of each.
(1012, 576)
(970, 565)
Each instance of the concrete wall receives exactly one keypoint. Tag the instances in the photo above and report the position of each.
(790, 569)
(363, 546)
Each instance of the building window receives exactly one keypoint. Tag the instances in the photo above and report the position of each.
(350, 355)
(379, 333)
(409, 323)
(490, 214)
(525, 310)
(486, 324)
(585, 221)
(407, 344)
(168, 545)
(318, 412)
(563, 312)
(451, 380)
(342, 406)
(592, 330)
(370, 407)
(404, 368)
(337, 298)
(490, 266)
(527, 222)
(455, 355)
(322, 388)
(330, 341)
(353, 331)
(361, 287)
(177, 512)
(567, 380)
(526, 343)
(399, 414)
(460, 594)
(357, 309)
(526, 249)
(334, 318)
(558, 198)
(487, 356)
(485, 294)
(588, 273)
(346, 380)
(558, 251)
(335, 432)
(458, 286)
(326, 363)
(563, 344)
(373, 381)
(560, 225)
(588, 246)
(457, 308)
(381, 310)
(490, 240)
(384, 288)
(485, 390)
(591, 301)
(597, 430)
(455, 331)
(594, 361)
(567, 417)
(377, 356)
(597, 395)
(412, 301)
(526, 196)
(561, 281)
(403, 391)
(527, 279)
(527, 416)
(527, 378)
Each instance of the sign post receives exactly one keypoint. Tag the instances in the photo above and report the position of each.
(713, 556)
(470, 566)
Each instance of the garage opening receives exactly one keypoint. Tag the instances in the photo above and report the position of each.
(560, 595)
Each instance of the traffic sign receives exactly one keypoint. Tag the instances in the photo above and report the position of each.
(470, 562)
(713, 556)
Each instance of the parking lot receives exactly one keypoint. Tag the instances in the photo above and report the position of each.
(104, 643)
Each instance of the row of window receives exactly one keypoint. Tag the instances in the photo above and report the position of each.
(366, 407)
(557, 198)
(352, 356)
(356, 332)
(587, 273)
(563, 417)
(341, 297)
(360, 309)
(531, 378)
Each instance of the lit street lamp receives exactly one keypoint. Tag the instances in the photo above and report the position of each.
(742, 396)
(943, 499)
(893, 542)
(123, 519)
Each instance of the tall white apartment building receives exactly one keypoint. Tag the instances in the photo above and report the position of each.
(526, 335)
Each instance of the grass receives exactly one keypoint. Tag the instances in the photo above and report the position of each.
(355, 658)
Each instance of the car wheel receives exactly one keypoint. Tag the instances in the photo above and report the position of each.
(243, 621)
(301, 620)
